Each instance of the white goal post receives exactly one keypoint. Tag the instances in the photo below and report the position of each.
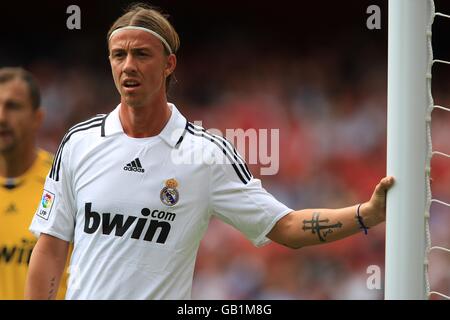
(408, 69)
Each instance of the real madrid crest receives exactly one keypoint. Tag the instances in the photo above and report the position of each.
(169, 194)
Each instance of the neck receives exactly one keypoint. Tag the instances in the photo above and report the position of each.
(16, 162)
(144, 121)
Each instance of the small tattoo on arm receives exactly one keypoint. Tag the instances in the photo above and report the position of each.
(52, 288)
(319, 227)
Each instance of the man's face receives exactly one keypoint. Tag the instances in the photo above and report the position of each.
(139, 66)
(18, 121)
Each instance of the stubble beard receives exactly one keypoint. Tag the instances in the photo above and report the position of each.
(134, 102)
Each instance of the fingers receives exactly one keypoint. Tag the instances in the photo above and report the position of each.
(388, 181)
(385, 184)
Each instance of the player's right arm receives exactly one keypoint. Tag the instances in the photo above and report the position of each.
(54, 225)
(46, 267)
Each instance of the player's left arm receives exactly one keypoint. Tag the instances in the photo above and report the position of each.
(316, 226)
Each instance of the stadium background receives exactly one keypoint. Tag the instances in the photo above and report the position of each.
(311, 69)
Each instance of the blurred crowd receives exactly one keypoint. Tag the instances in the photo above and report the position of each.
(330, 109)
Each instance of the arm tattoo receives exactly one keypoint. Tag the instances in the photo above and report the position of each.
(319, 227)
(52, 288)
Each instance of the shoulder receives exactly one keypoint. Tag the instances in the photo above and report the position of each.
(220, 152)
(82, 133)
(201, 137)
(198, 139)
(91, 125)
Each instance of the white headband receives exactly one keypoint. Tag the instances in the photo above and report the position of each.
(146, 30)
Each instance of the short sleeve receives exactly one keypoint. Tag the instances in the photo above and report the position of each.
(55, 215)
(239, 199)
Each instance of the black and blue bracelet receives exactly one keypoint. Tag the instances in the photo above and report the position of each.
(360, 220)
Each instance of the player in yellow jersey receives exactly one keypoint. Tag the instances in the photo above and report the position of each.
(23, 168)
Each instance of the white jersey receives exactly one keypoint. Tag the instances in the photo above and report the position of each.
(136, 209)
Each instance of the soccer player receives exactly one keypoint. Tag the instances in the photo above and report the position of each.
(23, 168)
(128, 190)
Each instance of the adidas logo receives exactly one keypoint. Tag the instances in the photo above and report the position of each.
(135, 166)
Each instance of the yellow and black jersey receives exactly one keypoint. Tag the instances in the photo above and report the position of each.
(19, 198)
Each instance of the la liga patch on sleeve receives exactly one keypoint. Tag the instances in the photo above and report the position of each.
(45, 208)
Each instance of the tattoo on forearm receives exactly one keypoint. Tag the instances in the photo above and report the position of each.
(319, 227)
(52, 288)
